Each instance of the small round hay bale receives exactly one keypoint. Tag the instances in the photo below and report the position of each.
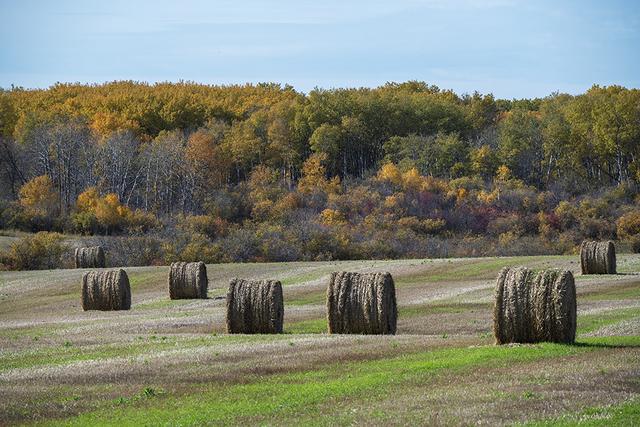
(361, 303)
(554, 306)
(512, 311)
(106, 290)
(255, 307)
(188, 280)
(598, 257)
(91, 257)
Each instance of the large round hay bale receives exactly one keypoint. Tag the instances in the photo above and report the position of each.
(255, 307)
(554, 306)
(532, 307)
(188, 280)
(106, 290)
(91, 257)
(361, 303)
(598, 257)
(512, 311)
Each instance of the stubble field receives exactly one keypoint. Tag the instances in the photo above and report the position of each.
(170, 362)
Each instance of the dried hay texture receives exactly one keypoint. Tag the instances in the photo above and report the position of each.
(554, 306)
(533, 307)
(106, 290)
(188, 280)
(91, 257)
(361, 303)
(255, 307)
(598, 257)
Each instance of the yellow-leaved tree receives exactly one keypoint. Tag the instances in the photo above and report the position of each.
(38, 197)
(412, 180)
(94, 211)
(389, 172)
(313, 176)
(110, 213)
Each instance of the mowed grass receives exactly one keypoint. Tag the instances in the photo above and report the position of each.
(65, 351)
(172, 369)
(282, 396)
(626, 291)
(624, 414)
(592, 322)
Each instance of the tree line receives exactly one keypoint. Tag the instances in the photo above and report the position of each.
(129, 157)
(162, 147)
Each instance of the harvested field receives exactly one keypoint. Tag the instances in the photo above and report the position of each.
(171, 361)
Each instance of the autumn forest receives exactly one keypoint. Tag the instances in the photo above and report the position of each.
(265, 173)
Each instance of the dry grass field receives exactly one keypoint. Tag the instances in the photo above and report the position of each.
(170, 363)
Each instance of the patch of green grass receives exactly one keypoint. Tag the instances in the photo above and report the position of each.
(427, 309)
(311, 298)
(140, 279)
(305, 277)
(68, 353)
(628, 263)
(302, 394)
(145, 393)
(162, 303)
(65, 353)
(311, 326)
(624, 292)
(528, 394)
(624, 414)
(481, 268)
(592, 322)
(34, 332)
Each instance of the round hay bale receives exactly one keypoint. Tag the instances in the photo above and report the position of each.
(91, 257)
(106, 290)
(533, 307)
(361, 303)
(188, 280)
(255, 307)
(512, 311)
(554, 306)
(598, 257)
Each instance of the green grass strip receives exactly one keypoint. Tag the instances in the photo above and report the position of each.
(301, 393)
(592, 322)
(66, 352)
(624, 414)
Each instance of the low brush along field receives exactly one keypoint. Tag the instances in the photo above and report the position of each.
(170, 362)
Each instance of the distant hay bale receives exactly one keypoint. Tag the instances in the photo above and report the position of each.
(361, 303)
(91, 257)
(106, 290)
(255, 307)
(533, 307)
(188, 280)
(598, 257)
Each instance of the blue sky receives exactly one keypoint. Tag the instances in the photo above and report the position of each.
(510, 48)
